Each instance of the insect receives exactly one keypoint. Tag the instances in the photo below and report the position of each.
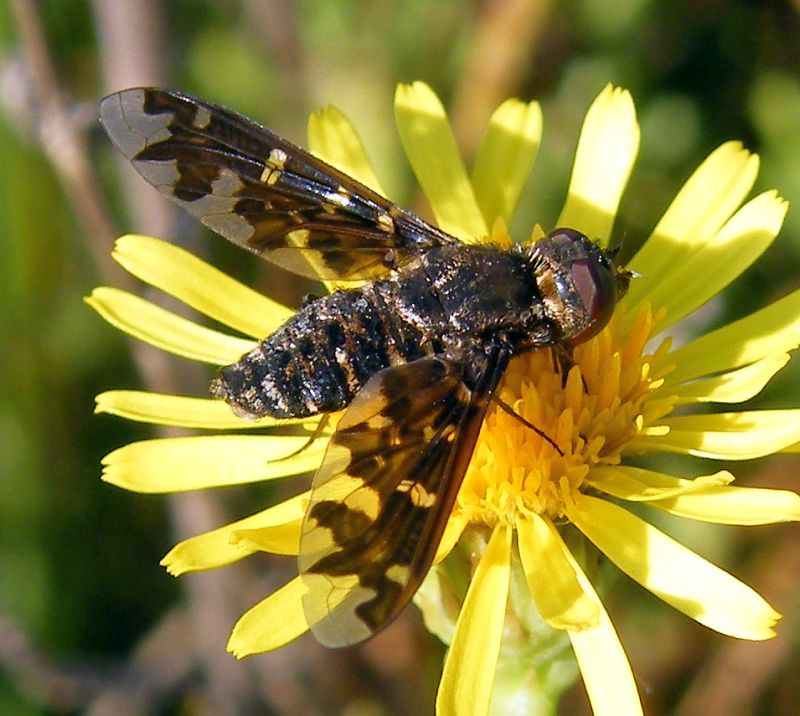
(413, 356)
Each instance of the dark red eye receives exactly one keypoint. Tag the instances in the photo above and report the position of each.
(596, 286)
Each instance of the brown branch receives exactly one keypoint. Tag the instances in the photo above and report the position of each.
(63, 143)
(131, 39)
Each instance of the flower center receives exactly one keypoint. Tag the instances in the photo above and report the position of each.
(591, 413)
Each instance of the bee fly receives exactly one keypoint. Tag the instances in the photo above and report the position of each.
(413, 357)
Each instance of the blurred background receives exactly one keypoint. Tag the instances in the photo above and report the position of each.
(89, 623)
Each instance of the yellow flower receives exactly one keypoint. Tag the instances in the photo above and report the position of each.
(617, 400)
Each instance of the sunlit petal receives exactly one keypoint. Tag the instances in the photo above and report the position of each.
(551, 576)
(639, 485)
(734, 505)
(726, 436)
(215, 548)
(334, 139)
(278, 539)
(194, 463)
(272, 623)
(433, 153)
(604, 666)
(772, 330)
(164, 409)
(199, 285)
(466, 685)
(606, 151)
(735, 386)
(505, 158)
(705, 202)
(710, 267)
(674, 573)
(165, 330)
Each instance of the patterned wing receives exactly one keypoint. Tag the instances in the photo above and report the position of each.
(385, 490)
(259, 190)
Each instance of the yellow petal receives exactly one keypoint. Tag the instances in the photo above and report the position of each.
(215, 548)
(200, 285)
(606, 151)
(270, 624)
(735, 386)
(706, 497)
(726, 436)
(639, 485)
(735, 505)
(468, 675)
(433, 153)
(710, 267)
(334, 139)
(551, 578)
(455, 526)
(279, 539)
(705, 202)
(773, 330)
(604, 666)
(164, 409)
(674, 573)
(505, 158)
(163, 329)
(194, 463)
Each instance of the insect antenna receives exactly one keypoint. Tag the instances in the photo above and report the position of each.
(507, 408)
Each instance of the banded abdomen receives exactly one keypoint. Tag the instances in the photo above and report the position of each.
(321, 357)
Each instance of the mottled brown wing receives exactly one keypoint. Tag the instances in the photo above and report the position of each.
(259, 190)
(385, 490)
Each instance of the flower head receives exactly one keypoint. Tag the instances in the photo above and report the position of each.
(617, 395)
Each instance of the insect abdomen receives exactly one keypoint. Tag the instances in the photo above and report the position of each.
(319, 359)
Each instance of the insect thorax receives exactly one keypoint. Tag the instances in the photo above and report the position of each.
(450, 301)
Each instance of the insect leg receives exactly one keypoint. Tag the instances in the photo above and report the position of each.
(321, 425)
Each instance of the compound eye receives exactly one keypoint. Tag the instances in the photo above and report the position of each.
(596, 285)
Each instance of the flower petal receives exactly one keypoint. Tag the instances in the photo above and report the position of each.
(705, 202)
(199, 285)
(707, 497)
(270, 624)
(674, 573)
(636, 484)
(505, 158)
(433, 153)
(606, 151)
(279, 539)
(164, 409)
(772, 330)
(163, 329)
(452, 532)
(194, 463)
(551, 577)
(604, 666)
(334, 139)
(468, 675)
(735, 505)
(725, 436)
(735, 386)
(215, 548)
(711, 266)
